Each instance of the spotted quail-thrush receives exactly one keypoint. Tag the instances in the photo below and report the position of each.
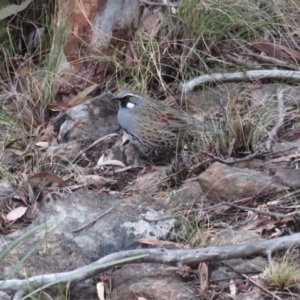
(152, 125)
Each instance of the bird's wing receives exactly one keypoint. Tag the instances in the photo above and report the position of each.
(157, 134)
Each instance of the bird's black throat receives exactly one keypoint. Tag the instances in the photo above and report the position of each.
(124, 101)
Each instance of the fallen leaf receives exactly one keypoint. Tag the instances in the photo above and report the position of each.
(13, 9)
(51, 176)
(232, 288)
(132, 59)
(286, 158)
(100, 290)
(276, 50)
(203, 276)
(148, 169)
(111, 162)
(151, 22)
(80, 97)
(96, 180)
(16, 213)
(47, 133)
(42, 144)
(17, 152)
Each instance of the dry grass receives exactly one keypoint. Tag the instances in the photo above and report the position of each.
(283, 274)
(194, 41)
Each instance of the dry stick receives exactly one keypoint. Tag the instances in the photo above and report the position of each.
(19, 294)
(159, 4)
(162, 256)
(237, 42)
(94, 144)
(253, 75)
(239, 200)
(262, 58)
(235, 160)
(158, 219)
(282, 199)
(227, 162)
(260, 212)
(198, 166)
(4, 296)
(245, 222)
(243, 62)
(261, 287)
(272, 60)
(281, 114)
(251, 280)
(99, 217)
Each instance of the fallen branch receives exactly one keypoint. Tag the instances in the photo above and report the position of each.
(238, 43)
(162, 256)
(174, 4)
(285, 198)
(233, 161)
(261, 212)
(272, 60)
(253, 75)
(109, 136)
(259, 57)
(253, 282)
(228, 161)
(281, 113)
(243, 62)
(93, 221)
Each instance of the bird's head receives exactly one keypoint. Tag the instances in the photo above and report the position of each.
(129, 99)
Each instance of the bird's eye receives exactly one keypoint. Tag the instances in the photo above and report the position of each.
(129, 105)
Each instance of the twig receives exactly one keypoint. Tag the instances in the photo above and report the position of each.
(19, 294)
(94, 144)
(127, 168)
(261, 287)
(257, 211)
(282, 199)
(251, 280)
(160, 4)
(227, 162)
(251, 75)
(272, 60)
(4, 296)
(163, 256)
(158, 220)
(99, 217)
(281, 114)
(237, 42)
(243, 62)
(213, 207)
(234, 160)
(200, 165)
(245, 222)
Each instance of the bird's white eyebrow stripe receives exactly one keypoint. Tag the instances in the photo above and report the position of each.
(133, 95)
(129, 105)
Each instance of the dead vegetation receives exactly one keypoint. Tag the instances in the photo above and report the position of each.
(170, 47)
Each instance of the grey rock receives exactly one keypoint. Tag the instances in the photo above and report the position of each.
(90, 120)
(162, 284)
(221, 182)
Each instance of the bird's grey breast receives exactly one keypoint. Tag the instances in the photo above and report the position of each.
(125, 118)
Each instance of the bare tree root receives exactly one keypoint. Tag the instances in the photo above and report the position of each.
(254, 75)
(162, 256)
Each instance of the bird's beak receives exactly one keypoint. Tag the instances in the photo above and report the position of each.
(114, 98)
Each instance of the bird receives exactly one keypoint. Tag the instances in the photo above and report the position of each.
(152, 125)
